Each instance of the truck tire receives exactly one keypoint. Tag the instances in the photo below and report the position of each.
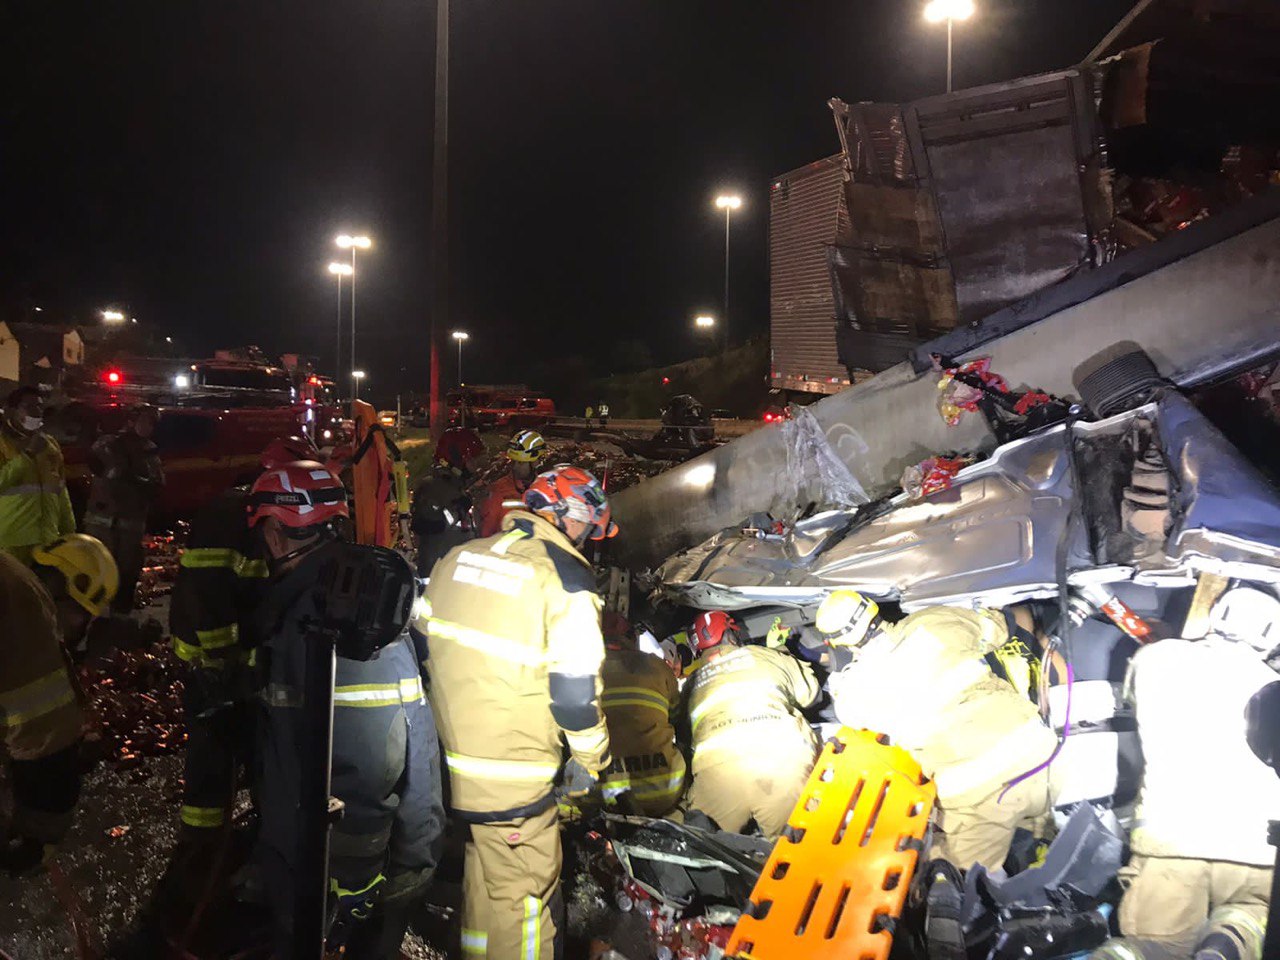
(1120, 384)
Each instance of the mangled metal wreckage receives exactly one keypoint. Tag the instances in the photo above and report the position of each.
(1160, 496)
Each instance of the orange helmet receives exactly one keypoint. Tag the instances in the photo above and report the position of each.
(711, 627)
(573, 493)
(458, 447)
(299, 494)
(284, 450)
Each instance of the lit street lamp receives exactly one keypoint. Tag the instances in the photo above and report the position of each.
(113, 316)
(728, 203)
(356, 377)
(348, 242)
(339, 270)
(950, 11)
(704, 322)
(462, 337)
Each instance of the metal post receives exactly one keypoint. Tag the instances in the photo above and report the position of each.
(311, 894)
(440, 213)
(459, 363)
(337, 354)
(948, 54)
(354, 385)
(724, 325)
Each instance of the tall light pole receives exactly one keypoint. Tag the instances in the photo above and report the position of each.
(728, 203)
(439, 216)
(347, 242)
(356, 377)
(951, 11)
(339, 270)
(462, 337)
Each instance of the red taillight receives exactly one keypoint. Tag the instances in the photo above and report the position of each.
(112, 376)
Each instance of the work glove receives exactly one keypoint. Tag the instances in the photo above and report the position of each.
(22, 856)
(778, 634)
(576, 781)
(352, 907)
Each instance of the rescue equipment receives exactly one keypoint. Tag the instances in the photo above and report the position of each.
(838, 877)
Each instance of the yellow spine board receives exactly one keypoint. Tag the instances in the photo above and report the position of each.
(840, 873)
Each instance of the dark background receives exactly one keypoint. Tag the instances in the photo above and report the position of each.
(191, 161)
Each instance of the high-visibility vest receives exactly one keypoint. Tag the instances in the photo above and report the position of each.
(34, 506)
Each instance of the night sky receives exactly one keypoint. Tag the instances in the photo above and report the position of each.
(191, 161)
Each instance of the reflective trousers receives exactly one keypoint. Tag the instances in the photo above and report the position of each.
(1176, 908)
(732, 794)
(511, 906)
(981, 831)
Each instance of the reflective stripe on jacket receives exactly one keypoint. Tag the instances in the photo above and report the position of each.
(220, 576)
(639, 699)
(744, 707)
(925, 683)
(39, 714)
(514, 656)
(34, 506)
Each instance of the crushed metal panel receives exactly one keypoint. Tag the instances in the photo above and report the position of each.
(993, 532)
(1228, 514)
(1027, 222)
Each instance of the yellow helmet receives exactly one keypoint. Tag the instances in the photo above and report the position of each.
(527, 446)
(90, 571)
(846, 618)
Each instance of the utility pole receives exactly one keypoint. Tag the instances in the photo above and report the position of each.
(440, 214)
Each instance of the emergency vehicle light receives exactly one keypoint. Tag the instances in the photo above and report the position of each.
(112, 376)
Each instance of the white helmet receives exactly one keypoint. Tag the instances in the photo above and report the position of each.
(1249, 615)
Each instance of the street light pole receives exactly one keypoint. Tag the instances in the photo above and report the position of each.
(339, 270)
(349, 242)
(950, 28)
(462, 337)
(949, 10)
(439, 214)
(727, 203)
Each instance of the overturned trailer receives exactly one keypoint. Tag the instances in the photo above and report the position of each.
(1204, 304)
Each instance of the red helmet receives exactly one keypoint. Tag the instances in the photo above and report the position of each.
(284, 450)
(573, 493)
(299, 494)
(458, 447)
(710, 629)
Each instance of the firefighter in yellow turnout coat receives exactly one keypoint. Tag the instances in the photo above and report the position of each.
(641, 696)
(73, 581)
(753, 750)
(514, 655)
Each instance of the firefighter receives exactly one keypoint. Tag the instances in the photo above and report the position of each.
(441, 516)
(34, 505)
(515, 657)
(386, 765)
(525, 451)
(127, 476)
(72, 581)
(926, 683)
(641, 696)
(603, 413)
(1198, 881)
(221, 576)
(753, 750)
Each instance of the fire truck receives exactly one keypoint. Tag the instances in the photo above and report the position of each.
(216, 416)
